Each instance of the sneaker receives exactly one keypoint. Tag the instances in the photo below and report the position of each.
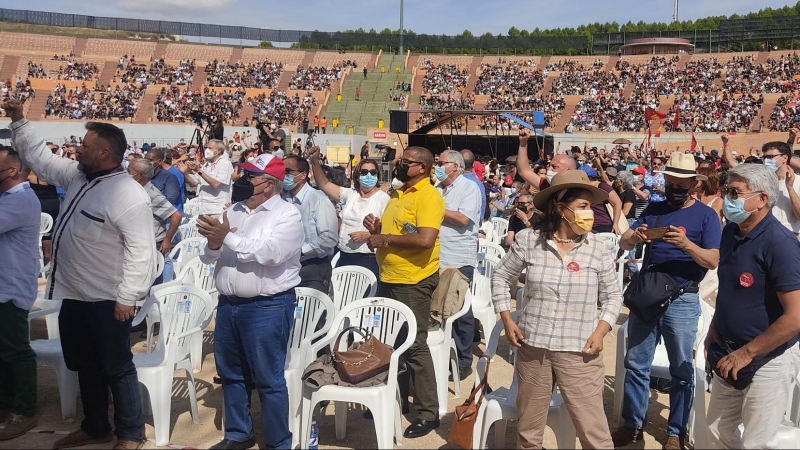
(79, 438)
(625, 435)
(16, 425)
(674, 443)
(125, 444)
(463, 373)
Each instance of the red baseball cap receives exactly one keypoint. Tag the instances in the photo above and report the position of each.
(639, 171)
(266, 163)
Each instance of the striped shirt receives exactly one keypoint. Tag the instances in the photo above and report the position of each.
(162, 210)
(561, 294)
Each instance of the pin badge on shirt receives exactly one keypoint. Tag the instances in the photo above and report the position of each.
(746, 279)
(683, 230)
(573, 267)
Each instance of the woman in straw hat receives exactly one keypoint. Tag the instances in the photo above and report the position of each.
(559, 337)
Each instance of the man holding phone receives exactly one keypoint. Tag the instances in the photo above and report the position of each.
(683, 237)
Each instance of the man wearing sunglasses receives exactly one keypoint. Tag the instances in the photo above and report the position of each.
(654, 180)
(406, 238)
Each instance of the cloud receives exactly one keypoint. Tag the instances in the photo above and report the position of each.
(191, 7)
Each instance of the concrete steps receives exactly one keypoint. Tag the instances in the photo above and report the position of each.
(236, 56)
(200, 78)
(766, 111)
(80, 46)
(566, 115)
(307, 60)
(9, 68)
(161, 50)
(36, 106)
(612, 63)
(145, 110)
(473, 77)
(108, 73)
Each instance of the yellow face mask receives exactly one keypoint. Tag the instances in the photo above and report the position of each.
(583, 222)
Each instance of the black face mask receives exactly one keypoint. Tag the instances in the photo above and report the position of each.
(676, 196)
(402, 172)
(242, 190)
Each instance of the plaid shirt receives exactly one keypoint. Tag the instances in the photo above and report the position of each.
(561, 294)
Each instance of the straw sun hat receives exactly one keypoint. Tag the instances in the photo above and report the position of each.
(568, 179)
(681, 165)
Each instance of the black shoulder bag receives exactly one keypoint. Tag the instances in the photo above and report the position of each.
(650, 296)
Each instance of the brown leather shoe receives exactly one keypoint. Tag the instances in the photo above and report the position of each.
(674, 443)
(625, 435)
(17, 425)
(128, 445)
(79, 438)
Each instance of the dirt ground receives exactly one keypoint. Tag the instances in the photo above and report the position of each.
(185, 433)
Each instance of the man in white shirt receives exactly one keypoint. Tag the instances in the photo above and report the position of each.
(213, 180)
(103, 261)
(319, 220)
(256, 246)
(458, 241)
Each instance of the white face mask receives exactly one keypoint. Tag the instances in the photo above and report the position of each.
(251, 159)
(208, 153)
(550, 175)
(396, 184)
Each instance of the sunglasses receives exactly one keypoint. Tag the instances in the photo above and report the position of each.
(733, 194)
(365, 172)
(442, 163)
(409, 162)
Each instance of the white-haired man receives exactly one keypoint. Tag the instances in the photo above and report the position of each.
(212, 180)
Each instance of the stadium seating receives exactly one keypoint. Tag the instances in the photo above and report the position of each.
(289, 58)
(115, 48)
(36, 43)
(201, 53)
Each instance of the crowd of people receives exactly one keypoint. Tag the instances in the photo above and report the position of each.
(73, 70)
(281, 107)
(97, 103)
(512, 79)
(443, 78)
(175, 105)
(22, 91)
(315, 78)
(258, 75)
(159, 72)
(612, 113)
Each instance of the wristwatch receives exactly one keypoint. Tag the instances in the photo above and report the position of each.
(200, 173)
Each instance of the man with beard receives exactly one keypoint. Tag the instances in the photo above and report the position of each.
(103, 261)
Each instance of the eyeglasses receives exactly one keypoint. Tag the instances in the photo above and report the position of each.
(365, 172)
(442, 163)
(773, 156)
(733, 194)
(293, 171)
(409, 162)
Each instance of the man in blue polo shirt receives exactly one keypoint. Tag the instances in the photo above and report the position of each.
(758, 312)
(164, 180)
(469, 173)
(687, 251)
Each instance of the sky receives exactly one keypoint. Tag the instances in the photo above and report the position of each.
(422, 16)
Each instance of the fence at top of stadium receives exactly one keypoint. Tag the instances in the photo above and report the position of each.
(730, 33)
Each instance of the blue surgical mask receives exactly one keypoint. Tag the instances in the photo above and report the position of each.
(769, 163)
(288, 182)
(125, 164)
(513, 191)
(734, 211)
(439, 172)
(368, 181)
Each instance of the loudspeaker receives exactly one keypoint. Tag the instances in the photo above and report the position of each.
(398, 122)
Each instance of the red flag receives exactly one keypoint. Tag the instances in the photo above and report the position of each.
(677, 120)
(652, 114)
(694, 143)
(659, 130)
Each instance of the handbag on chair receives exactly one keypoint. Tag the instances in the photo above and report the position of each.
(361, 361)
(467, 413)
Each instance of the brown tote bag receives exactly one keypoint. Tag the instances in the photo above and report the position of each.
(361, 361)
(464, 418)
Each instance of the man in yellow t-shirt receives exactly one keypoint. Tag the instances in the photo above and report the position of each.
(407, 241)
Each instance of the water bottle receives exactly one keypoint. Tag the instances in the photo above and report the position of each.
(408, 228)
(313, 441)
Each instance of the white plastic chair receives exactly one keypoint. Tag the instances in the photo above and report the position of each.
(612, 242)
(445, 355)
(182, 310)
(49, 352)
(190, 211)
(185, 250)
(501, 405)
(383, 401)
(45, 225)
(311, 304)
(481, 298)
(352, 283)
(660, 366)
(490, 248)
(189, 229)
(500, 228)
(335, 259)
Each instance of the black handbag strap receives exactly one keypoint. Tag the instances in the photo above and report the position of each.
(648, 250)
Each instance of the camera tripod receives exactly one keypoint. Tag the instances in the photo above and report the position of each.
(198, 135)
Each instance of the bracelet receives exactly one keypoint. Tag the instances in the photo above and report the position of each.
(386, 240)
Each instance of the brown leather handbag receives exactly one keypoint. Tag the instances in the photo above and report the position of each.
(467, 413)
(361, 361)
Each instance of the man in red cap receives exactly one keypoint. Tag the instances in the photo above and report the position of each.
(256, 245)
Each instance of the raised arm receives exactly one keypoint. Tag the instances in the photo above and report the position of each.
(330, 189)
(523, 163)
(727, 156)
(34, 152)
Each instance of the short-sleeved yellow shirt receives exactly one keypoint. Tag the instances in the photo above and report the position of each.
(420, 205)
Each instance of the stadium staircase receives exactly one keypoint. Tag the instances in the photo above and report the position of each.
(766, 110)
(9, 68)
(108, 73)
(200, 78)
(35, 108)
(612, 63)
(373, 105)
(236, 56)
(474, 69)
(80, 46)
(145, 111)
(161, 51)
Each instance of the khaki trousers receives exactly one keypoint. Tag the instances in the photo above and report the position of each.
(580, 379)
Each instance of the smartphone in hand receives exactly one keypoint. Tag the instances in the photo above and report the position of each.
(656, 233)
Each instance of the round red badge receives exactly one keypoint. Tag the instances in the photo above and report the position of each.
(683, 230)
(573, 267)
(746, 279)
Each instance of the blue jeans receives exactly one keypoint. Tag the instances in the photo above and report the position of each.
(365, 260)
(250, 342)
(633, 268)
(677, 327)
(464, 328)
(98, 347)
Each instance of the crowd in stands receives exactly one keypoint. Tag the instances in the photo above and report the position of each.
(786, 114)
(777, 75)
(716, 112)
(509, 79)
(259, 75)
(282, 108)
(159, 72)
(552, 105)
(612, 113)
(98, 103)
(21, 91)
(584, 82)
(315, 78)
(72, 71)
(174, 105)
(568, 64)
(443, 79)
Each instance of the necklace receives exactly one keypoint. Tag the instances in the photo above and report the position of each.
(563, 241)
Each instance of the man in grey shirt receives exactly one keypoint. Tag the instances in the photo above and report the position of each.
(20, 214)
(458, 240)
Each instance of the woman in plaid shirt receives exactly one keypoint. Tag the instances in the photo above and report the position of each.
(559, 337)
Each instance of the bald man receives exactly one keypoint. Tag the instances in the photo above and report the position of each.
(559, 163)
